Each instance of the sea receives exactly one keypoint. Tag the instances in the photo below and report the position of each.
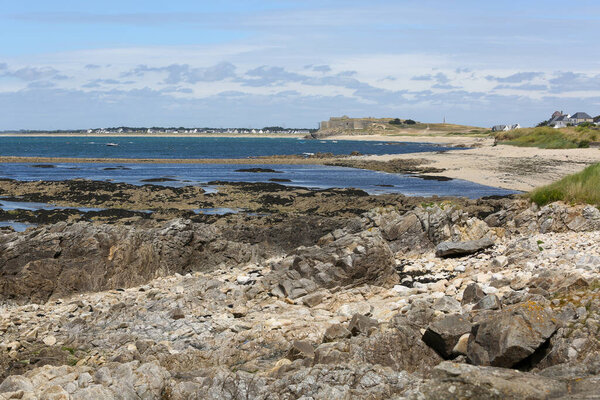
(207, 175)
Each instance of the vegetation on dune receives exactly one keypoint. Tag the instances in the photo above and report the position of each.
(550, 138)
(582, 187)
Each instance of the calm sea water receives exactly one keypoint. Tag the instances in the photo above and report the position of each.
(200, 147)
(311, 176)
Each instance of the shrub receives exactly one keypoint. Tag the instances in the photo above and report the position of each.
(410, 122)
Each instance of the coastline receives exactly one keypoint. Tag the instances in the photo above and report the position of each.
(502, 166)
(161, 135)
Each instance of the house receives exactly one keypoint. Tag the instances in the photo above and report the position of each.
(501, 128)
(580, 117)
(561, 120)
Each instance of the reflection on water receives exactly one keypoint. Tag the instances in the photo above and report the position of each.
(17, 226)
(308, 176)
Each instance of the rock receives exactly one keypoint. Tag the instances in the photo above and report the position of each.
(489, 302)
(397, 346)
(243, 279)
(420, 313)
(455, 381)
(49, 340)
(55, 393)
(447, 305)
(499, 262)
(456, 249)
(472, 294)
(443, 333)
(300, 349)
(506, 337)
(336, 332)
(348, 310)
(361, 324)
(177, 313)
(15, 383)
(350, 260)
(461, 345)
(313, 299)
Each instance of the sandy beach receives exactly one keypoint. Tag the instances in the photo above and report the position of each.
(508, 167)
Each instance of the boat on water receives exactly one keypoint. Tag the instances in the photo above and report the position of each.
(112, 144)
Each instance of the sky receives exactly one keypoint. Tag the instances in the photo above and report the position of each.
(255, 63)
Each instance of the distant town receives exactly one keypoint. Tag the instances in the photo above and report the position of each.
(173, 130)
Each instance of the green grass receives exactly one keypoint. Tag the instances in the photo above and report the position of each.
(582, 187)
(550, 138)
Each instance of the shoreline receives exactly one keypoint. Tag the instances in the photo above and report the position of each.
(502, 166)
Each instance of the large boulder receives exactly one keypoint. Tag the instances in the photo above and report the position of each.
(506, 338)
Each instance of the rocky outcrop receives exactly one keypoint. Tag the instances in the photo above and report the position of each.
(357, 259)
(425, 227)
(130, 380)
(213, 317)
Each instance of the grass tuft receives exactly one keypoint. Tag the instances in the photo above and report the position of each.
(550, 138)
(582, 187)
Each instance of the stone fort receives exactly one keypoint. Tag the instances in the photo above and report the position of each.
(346, 122)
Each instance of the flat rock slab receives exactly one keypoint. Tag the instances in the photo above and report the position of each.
(457, 249)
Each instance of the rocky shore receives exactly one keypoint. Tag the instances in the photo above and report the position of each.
(305, 294)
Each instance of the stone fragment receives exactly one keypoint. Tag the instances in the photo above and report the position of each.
(506, 337)
(456, 249)
(443, 333)
(313, 299)
(300, 349)
(336, 332)
(447, 304)
(361, 324)
(15, 383)
(489, 302)
(177, 313)
(461, 345)
(49, 340)
(472, 294)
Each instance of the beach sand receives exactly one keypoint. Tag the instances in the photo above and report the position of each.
(508, 167)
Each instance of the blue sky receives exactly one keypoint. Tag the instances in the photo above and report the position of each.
(251, 63)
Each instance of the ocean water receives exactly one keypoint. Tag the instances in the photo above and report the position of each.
(194, 147)
(309, 176)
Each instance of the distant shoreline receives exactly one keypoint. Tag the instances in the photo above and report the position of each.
(158, 135)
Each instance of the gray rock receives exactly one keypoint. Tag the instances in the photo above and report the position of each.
(15, 383)
(505, 338)
(453, 381)
(361, 324)
(443, 333)
(489, 302)
(455, 249)
(300, 349)
(472, 294)
(447, 304)
(336, 332)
